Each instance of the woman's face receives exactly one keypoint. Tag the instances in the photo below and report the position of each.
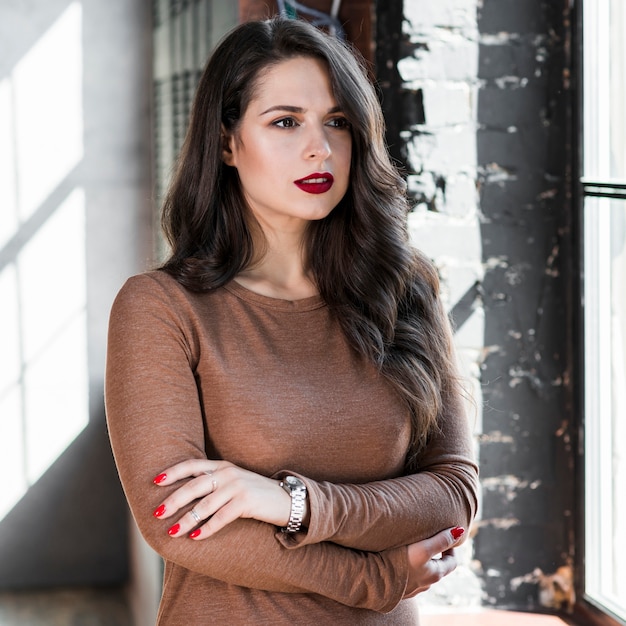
(293, 146)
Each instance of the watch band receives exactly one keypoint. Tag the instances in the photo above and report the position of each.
(297, 490)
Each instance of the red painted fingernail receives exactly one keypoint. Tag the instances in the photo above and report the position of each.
(457, 532)
(159, 479)
(195, 533)
(159, 511)
(174, 529)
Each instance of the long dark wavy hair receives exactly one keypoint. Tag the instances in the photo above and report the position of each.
(381, 290)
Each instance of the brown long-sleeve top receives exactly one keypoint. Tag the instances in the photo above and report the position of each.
(272, 385)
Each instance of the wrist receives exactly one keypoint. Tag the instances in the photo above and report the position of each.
(299, 511)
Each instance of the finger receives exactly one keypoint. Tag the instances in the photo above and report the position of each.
(447, 563)
(222, 517)
(187, 469)
(218, 512)
(196, 516)
(441, 542)
(194, 490)
(438, 568)
(202, 510)
(187, 522)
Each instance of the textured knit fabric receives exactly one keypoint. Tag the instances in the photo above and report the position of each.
(272, 385)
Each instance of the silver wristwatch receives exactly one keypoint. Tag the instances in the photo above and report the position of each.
(297, 490)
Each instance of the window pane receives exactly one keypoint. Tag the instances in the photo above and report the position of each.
(605, 385)
(604, 99)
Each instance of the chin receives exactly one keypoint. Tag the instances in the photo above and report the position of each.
(319, 215)
(323, 211)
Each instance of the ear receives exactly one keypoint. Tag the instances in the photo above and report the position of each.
(227, 147)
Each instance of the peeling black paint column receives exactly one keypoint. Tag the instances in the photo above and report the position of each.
(389, 17)
(525, 455)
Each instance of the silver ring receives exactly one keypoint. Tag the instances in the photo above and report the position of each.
(195, 516)
(214, 485)
(208, 472)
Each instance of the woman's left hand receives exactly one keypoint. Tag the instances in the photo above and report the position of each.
(222, 492)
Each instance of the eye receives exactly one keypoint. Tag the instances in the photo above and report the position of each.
(285, 122)
(339, 122)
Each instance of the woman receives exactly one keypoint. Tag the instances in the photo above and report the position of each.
(281, 395)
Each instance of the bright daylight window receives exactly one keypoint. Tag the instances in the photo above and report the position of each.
(604, 233)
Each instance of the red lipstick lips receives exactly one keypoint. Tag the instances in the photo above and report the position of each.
(315, 183)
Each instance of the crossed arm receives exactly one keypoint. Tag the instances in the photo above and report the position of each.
(155, 423)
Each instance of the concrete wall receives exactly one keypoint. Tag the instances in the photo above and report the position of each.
(75, 221)
(476, 94)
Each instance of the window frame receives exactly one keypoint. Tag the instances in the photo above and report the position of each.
(588, 609)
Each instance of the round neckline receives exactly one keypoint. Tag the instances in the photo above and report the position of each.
(304, 304)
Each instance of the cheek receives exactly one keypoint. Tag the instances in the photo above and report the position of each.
(251, 165)
(346, 159)
(268, 158)
(345, 150)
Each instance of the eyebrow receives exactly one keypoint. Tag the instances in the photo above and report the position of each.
(293, 109)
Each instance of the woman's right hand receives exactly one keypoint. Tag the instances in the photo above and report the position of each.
(425, 568)
(221, 493)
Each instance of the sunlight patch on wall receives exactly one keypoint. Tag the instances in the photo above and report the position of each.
(11, 426)
(47, 87)
(8, 200)
(52, 275)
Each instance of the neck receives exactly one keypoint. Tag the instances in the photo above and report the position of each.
(280, 271)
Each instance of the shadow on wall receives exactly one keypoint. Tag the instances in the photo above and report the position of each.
(69, 529)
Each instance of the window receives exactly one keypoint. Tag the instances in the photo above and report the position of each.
(604, 241)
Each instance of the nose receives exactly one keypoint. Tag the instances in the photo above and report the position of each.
(317, 146)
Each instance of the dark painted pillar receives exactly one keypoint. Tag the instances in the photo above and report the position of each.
(523, 154)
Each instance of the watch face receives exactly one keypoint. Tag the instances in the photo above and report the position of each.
(292, 481)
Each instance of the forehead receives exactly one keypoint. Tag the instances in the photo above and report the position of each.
(301, 81)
